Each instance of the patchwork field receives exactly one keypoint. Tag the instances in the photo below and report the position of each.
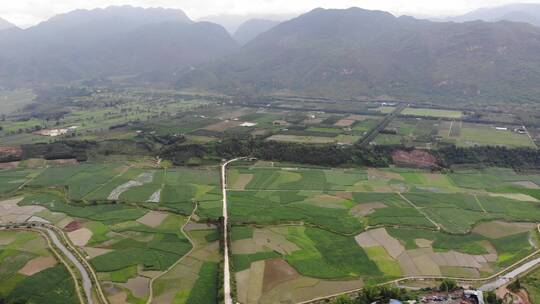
(127, 220)
(302, 232)
(29, 271)
(297, 232)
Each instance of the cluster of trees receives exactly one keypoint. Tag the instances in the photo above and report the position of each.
(58, 150)
(175, 149)
(322, 155)
(519, 158)
(376, 295)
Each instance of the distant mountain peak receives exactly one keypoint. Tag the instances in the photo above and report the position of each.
(127, 14)
(517, 12)
(4, 24)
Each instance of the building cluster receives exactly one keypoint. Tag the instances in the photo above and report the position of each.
(56, 132)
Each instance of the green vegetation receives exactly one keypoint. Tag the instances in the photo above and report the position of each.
(243, 261)
(318, 257)
(532, 284)
(53, 285)
(205, 289)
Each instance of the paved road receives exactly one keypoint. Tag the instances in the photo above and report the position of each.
(86, 282)
(505, 279)
(226, 270)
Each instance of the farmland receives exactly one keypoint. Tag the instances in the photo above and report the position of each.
(30, 272)
(142, 202)
(127, 219)
(288, 221)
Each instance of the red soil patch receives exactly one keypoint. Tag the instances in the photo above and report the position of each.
(417, 158)
(74, 225)
(10, 152)
(223, 126)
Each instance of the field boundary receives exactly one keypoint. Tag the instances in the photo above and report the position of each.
(151, 284)
(437, 278)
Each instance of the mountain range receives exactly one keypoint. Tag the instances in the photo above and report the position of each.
(325, 52)
(117, 41)
(520, 12)
(359, 53)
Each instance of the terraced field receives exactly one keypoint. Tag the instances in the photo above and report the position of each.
(387, 223)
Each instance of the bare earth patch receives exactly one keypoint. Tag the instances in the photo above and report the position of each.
(305, 288)
(344, 123)
(152, 218)
(365, 240)
(326, 201)
(80, 237)
(423, 243)
(93, 252)
(139, 286)
(38, 264)
(516, 196)
(379, 237)
(276, 272)
(223, 125)
(10, 211)
(242, 181)
(118, 298)
(379, 174)
(365, 209)
(526, 184)
(499, 229)
(416, 158)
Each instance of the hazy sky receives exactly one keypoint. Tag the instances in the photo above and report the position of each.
(29, 12)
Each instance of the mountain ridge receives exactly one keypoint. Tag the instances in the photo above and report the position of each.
(108, 42)
(356, 52)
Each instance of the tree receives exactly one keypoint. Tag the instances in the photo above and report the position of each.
(491, 298)
(448, 285)
(514, 286)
